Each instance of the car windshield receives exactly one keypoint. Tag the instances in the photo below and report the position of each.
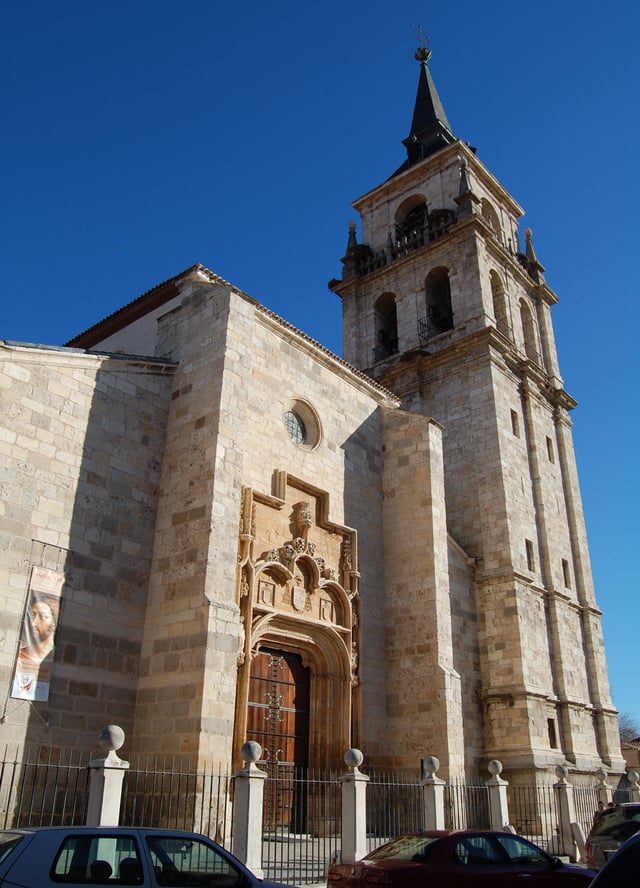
(405, 848)
(618, 823)
(8, 841)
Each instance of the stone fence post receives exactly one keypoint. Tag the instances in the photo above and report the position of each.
(498, 802)
(432, 795)
(105, 783)
(634, 780)
(567, 813)
(248, 798)
(604, 790)
(354, 809)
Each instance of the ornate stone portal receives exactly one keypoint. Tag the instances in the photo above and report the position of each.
(297, 589)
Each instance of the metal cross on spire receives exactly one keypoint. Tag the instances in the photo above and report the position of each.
(422, 53)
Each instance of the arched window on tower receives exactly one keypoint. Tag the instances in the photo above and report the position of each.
(491, 217)
(438, 298)
(499, 299)
(530, 333)
(386, 321)
(411, 223)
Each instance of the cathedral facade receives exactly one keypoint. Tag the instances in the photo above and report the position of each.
(240, 535)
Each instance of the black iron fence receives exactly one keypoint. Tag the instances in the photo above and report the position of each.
(43, 787)
(174, 794)
(302, 819)
(302, 811)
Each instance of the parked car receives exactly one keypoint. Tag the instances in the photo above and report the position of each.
(44, 857)
(622, 869)
(611, 828)
(458, 859)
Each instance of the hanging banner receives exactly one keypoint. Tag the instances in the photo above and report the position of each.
(34, 661)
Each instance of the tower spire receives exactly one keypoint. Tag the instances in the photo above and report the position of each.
(430, 128)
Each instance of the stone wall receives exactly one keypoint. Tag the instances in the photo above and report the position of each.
(82, 442)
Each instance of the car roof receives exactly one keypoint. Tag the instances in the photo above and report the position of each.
(26, 830)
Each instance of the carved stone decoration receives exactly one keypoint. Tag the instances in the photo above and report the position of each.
(354, 664)
(346, 563)
(326, 610)
(266, 593)
(242, 635)
(287, 554)
(298, 594)
(303, 518)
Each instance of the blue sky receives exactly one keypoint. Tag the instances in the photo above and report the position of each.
(142, 137)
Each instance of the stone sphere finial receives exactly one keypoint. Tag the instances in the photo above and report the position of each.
(251, 752)
(633, 776)
(353, 758)
(561, 772)
(431, 764)
(111, 738)
(495, 767)
(601, 774)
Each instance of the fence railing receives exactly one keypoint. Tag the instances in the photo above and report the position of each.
(302, 817)
(174, 794)
(43, 787)
(466, 805)
(302, 812)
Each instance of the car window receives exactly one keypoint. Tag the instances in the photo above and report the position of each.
(520, 851)
(617, 823)
(405, 848)
(98, 860)
(8, 841)
(191, 862)
(476, 851)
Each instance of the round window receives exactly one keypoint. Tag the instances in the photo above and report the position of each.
(302, 424)
(295, 427)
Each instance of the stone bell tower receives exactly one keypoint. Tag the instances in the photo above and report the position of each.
(444, 305)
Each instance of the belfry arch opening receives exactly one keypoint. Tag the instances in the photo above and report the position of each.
(499, 301)
(530, 333)
(438, 301)
(411, 220)
(491, 217)
(386, 327)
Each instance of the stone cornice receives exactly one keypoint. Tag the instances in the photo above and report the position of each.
(73, 357)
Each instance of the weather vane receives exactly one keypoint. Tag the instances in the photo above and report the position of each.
(423, 53)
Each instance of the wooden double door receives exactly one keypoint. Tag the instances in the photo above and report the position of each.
(278, 719)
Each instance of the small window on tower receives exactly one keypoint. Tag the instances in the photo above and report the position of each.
(553, 737)
(550, 452)
(566, 573)
(515, 424)
(531, 562)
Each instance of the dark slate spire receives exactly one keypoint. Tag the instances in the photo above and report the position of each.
(430, 129)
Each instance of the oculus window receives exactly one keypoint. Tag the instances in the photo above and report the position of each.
(302, 424)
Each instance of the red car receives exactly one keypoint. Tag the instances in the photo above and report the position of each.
(458, 859)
